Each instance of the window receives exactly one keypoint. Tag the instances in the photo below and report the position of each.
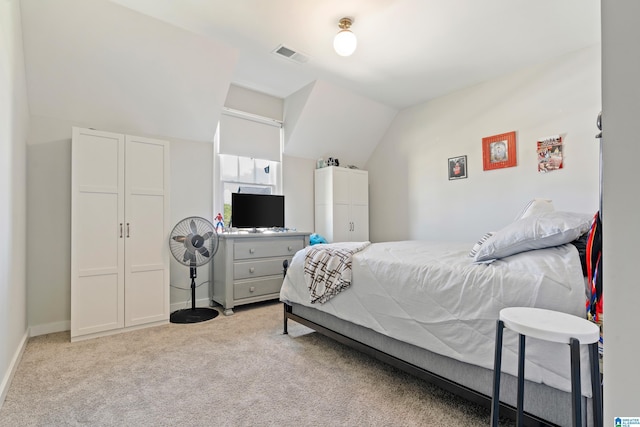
(246, 175)
(247, 157)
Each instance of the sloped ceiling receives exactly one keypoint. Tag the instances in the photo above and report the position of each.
(163, 67)
(105, 66)
(324, 120)
(409, 51)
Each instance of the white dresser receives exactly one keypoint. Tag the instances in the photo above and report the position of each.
(248, 267)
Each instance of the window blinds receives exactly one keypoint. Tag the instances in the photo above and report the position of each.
(249, 138)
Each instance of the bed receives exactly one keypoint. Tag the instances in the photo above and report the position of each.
(430, 308)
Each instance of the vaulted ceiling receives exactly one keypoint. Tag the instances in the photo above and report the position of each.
(408, 51)
(163, 67)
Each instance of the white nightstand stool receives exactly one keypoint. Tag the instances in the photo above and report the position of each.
(551, 326)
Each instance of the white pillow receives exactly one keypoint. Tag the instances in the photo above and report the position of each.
(535, 207)
(534, 232)
(477, 246)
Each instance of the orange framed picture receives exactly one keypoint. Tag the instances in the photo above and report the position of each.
(499, 151)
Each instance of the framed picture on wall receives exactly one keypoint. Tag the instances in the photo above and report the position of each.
(457, 167)
(499, 151)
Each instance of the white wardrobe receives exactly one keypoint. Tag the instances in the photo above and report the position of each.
(119, 232)
(342, 204)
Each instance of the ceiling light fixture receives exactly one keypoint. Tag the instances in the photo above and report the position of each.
(345, 42)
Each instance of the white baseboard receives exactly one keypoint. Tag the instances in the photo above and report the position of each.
(65, 325)
(8, 376)
(50, 328)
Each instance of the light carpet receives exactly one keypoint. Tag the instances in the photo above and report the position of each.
(237, 370)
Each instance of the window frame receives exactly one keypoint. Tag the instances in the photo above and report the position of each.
(219, 183)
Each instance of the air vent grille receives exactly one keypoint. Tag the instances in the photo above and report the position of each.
(290, 54)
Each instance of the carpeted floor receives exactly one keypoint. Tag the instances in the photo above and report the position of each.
(238, 370)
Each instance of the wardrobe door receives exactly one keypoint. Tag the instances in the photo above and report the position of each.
(147, 231)
(359, 205)
(97, 234)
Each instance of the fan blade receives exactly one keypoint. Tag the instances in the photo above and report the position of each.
(203, 251)
(188, 243)
(188, 256)
(194, 229)
(179, 239)
(207, 235)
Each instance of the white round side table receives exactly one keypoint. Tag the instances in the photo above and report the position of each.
(551, 326)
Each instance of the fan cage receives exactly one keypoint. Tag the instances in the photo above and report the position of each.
(188, 227)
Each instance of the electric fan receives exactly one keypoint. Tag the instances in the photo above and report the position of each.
(193, 243)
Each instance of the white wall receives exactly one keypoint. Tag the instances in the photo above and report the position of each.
(297, 178)
(258, 103)
(191, 195)
(621, 149)
(410, 194)
(49, 224)
(14, 116)
(324, 120)
(49, 212)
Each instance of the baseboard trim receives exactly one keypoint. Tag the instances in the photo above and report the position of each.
(65, 325)
(118, 331)
(13, 366)
(50, 328)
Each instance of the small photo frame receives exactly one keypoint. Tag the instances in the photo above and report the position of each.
(457, 167)
(499, 151)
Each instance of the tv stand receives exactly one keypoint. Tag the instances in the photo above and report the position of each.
(248, 266)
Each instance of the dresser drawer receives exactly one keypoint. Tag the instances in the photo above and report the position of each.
(258, 268)
(255, 288)
(264, 247)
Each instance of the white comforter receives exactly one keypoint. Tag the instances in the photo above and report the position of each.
(433, 296)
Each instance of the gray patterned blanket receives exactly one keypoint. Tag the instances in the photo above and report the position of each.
(327, 269)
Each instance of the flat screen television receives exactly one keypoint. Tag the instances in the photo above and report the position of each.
(257, 210)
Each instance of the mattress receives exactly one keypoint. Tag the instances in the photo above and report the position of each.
(433, 296)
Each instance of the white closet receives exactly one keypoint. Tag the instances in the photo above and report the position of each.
(342, 204)
(119, 232)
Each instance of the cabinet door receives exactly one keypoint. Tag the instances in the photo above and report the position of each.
(359, 223)
(341, 185)
(97, 245)
(359, 198)
(341, 223)
(147, 231)
(359, 187)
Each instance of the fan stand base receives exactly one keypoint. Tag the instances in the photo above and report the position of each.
(193, 315)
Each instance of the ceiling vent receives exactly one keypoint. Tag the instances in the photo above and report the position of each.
(290, 54)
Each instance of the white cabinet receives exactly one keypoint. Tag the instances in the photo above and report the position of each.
(342, 204)
(119, 232)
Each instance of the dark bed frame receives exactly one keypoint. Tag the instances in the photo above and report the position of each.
(444, 383)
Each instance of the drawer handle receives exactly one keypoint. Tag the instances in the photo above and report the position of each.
(251, 251)
(252, 289)
(251, 270)
(289, 248)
